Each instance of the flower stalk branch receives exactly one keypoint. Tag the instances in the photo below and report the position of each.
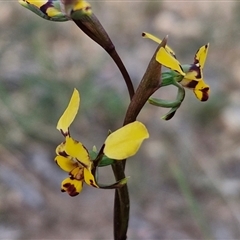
(91, 26)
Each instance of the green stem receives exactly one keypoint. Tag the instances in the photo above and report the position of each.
(174, 105)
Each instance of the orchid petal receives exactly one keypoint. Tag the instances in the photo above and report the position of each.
(202, 91)
(77, 173)
(47, 9)
(201, 55)
(82, 6)
(167, 60)
(158, 40)
(89, 178)
(152, 37)
(70, 113)
(72, 186)
(126, 141)
(77, 151)
(194, 80)
(65, 163)
(73, 6)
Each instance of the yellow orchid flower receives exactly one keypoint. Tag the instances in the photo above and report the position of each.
(57, 10)
(74, 158)
(189, 75)
(194, 75)
(166, 55)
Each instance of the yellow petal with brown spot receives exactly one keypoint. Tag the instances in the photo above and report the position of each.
(76, 150)
(202, 91)
(72, 186)
(201, 55)
(89, 178)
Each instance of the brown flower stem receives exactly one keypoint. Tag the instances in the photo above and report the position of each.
(114, 55)
(91, 26)
(121, 205)
(150, 82)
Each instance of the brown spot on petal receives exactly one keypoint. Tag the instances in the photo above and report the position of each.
(63, 154)
(192, 84)
(91, 182)
(205, 95)
(196, 68)
(45, 7)
(70, 189)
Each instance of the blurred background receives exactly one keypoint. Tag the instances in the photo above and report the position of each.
(185, 181)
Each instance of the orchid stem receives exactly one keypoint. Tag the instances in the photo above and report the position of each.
(150, 82)
(91, 26)
(114, 55)
(121, 204)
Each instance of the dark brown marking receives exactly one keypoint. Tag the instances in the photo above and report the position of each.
(45, 7)
(192, 84)
(70, 188)
(195, 68)
(63, 154)
(205, 94)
